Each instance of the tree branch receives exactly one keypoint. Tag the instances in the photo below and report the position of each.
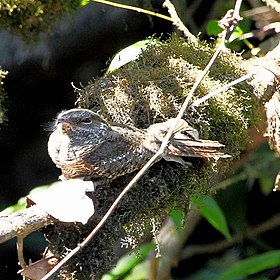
(22, 223)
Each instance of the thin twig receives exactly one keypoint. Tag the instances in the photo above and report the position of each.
(20, 252)
(215, 92)
(177, 21)
(230, 20)
(237, 7)
(137, 9)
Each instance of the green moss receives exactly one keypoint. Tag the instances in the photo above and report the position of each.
(27, 18)
(152, 89)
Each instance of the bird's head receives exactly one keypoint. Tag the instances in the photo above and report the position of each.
(80, 121)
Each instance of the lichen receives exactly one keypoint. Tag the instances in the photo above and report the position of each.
(148, 90)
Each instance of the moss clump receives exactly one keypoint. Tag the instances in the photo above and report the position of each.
(148, 90)
(152, 89)
(27, 18)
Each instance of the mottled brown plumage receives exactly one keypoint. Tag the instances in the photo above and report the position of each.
(84, 145)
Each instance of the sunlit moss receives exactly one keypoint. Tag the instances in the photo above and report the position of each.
(152, 89)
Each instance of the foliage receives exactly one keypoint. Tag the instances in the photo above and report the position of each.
(210, 210)
(128, 262)
(252, 265)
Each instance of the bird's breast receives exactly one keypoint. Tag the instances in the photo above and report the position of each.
(58, 146)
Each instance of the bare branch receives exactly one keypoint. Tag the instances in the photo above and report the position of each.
(177, 21)
(213, 93)
(20, 252)
(23, 223)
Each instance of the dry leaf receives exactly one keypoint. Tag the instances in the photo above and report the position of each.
(39, 269)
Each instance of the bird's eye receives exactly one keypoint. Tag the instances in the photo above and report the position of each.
(86, 120)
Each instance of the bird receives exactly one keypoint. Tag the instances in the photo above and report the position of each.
(84, 145)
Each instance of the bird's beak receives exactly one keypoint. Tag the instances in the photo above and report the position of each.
(65, 127)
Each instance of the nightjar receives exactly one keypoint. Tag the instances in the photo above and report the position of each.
(84, 145)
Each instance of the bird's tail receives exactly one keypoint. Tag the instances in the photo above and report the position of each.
(180, 147)
(185, 142)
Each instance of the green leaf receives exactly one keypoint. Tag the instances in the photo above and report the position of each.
(84, 2)
(177, 216)
(212, 27)
(235, 34)
(252, 265)
(127, 262)
(266, 183)
(139, 272)
(129, 54)
(211, 211)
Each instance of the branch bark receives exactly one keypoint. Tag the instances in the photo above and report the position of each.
(22, 223)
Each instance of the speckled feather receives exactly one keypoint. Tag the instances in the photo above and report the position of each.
(84, 145)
